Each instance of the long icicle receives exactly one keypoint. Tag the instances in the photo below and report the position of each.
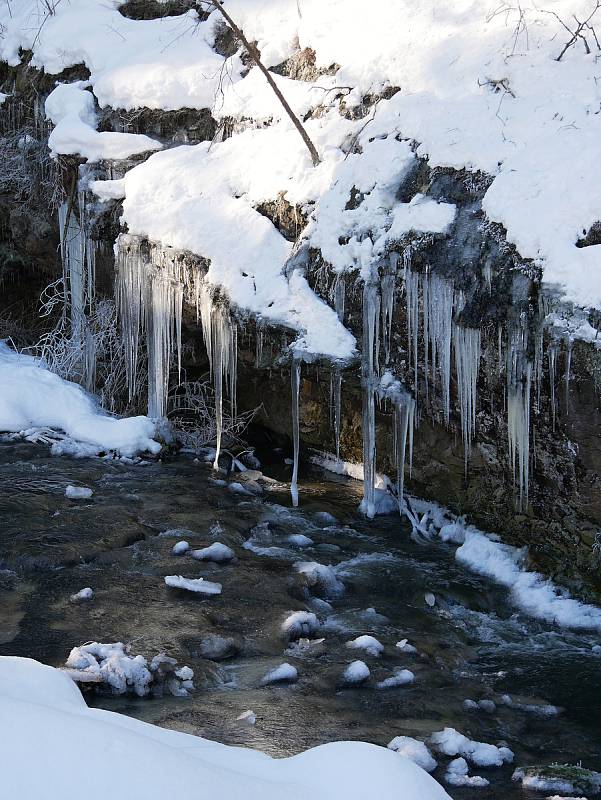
(295, 371)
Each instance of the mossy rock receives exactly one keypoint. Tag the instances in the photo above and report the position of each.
(560, 777)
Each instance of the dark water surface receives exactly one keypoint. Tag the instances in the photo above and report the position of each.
(471, 644)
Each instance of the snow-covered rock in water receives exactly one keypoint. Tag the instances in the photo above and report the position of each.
(285, 673)
(78, 492)
(400, 677)
(113, 666)
(565, 778)
(300, 624)
(247, 718)
(320, 578)
(457, 775)
(82, 594)
(300, 540)
(33, 398)
(46, 714)
(357, 672)
(368, 643)
(198, 585)
(414, 750)
(430, 599)
(217, 552)
(405, 647)
(452, 532)
(216, 647)
(540, 709)
(481, 705)
(180, 547)
(452, 743)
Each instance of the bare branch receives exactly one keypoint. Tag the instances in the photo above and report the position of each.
(256, 57)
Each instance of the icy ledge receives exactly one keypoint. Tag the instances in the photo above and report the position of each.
(47, 715)
(33, 400)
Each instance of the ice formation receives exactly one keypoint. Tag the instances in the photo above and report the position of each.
(198, 585)
(414, 750)
(217, 552)
(122, 673)
(400, 677)
(452, 743)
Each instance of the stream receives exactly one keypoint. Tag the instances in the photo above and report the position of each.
(472, 643)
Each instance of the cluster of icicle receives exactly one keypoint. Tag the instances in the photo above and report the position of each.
(432, 306)
(78, 260)
(152, 284)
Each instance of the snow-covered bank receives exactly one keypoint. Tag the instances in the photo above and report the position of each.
(32, 398)
(530, 590)
(78, 746)
(485, 554)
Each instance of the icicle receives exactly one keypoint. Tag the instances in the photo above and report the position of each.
(221, 340)
(440, 304)
(340, 295)
(259, 347)
(467, 345)
(403, 421)
(411, 280)
(295, 371)
(519, 380)
(336, 377)
(371, 313)
(568, 373)
(426, 314)
(552, 355)
(387, 287)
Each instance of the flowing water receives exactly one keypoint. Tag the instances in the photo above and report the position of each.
(472, 643)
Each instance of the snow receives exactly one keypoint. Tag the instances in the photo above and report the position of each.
(217, 552)
(400, 677)
(247, 717)
(285, 673)
(198, 585)
(300, 540)
(529, 590)
(368, 643)
(457, 775)
(47, 715)
(540, 709)
(113, 666)
(78, 492)
(300, 623)
(414, 750)
(82, 594)
(321, 578)
(164, 63)
(356, 672)
(167, 200)
(71, 110)
(480, 89)
(180, 547)
(452, 743)
(33, 398)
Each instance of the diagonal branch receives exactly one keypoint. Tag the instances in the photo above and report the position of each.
(256, 57)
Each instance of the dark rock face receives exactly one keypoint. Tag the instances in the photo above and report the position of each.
(499, 293)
